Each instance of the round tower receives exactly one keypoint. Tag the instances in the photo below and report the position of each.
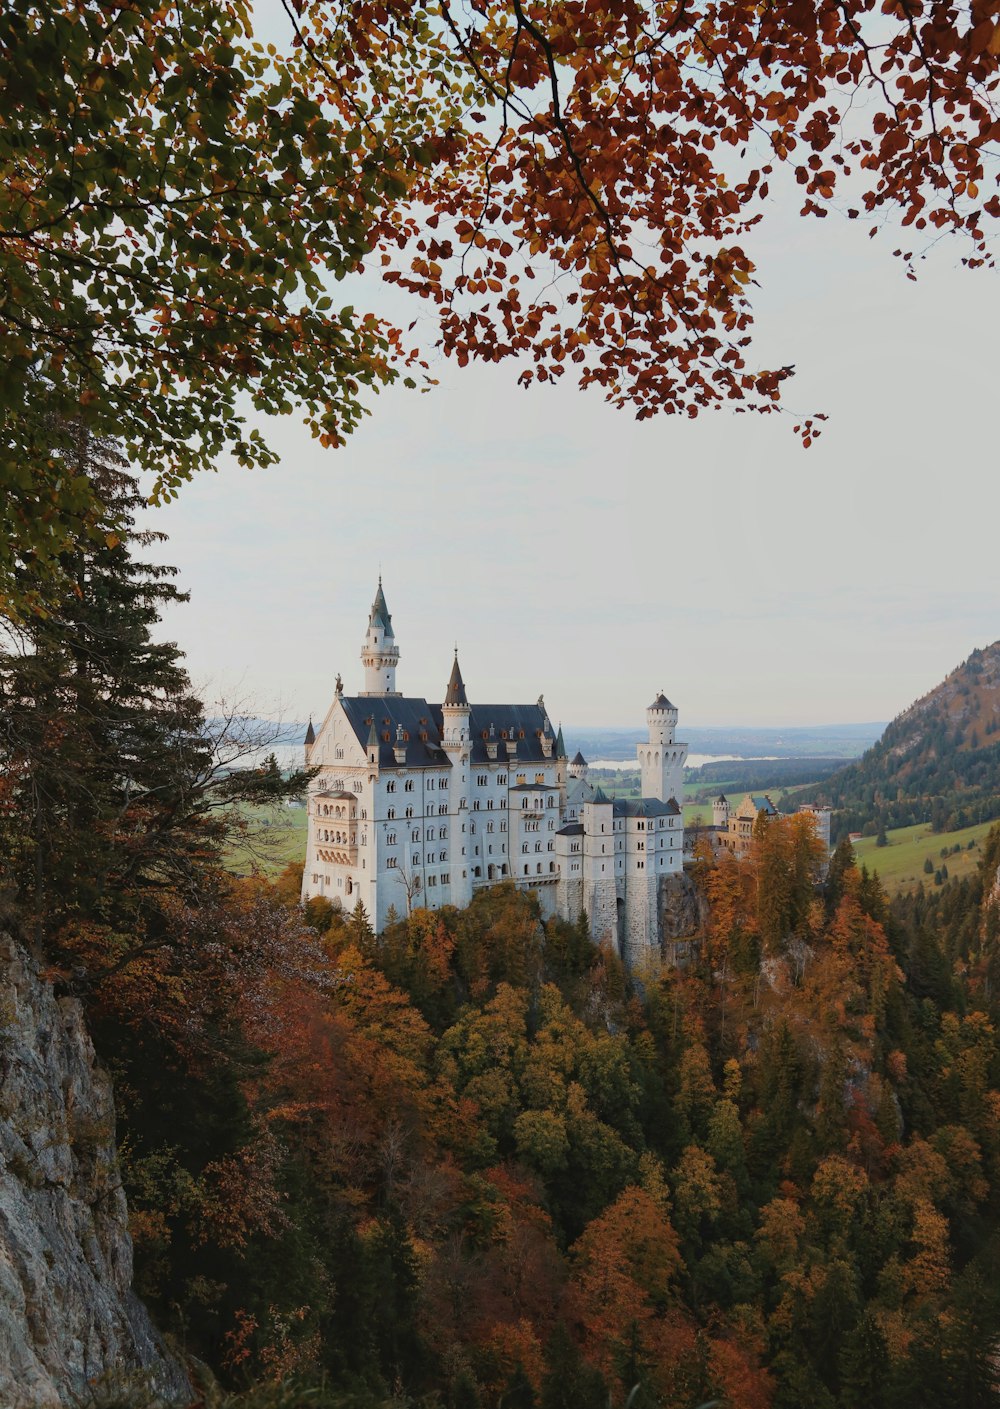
(380, 653)
(720, 812)
(455, 712)
(661, 758)
(578, 767)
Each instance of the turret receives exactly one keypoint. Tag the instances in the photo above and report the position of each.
(309, 740)
(380, 654)
(455, 711)
(578, 768)
(661, 758)
(720, 811)
(562, 766)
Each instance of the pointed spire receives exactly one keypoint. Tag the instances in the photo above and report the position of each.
(310, 737)
(379, 615)
(560, 746)
(456, 685)
(372, 735)
(600, 796)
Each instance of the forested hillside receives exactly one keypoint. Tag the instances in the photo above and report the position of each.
(938, 762)
(471, 1161)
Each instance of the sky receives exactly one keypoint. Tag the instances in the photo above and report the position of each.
(572, 551)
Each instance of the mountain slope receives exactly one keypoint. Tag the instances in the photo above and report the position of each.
(939, 761)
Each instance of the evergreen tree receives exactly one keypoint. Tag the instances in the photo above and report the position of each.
(116, 802)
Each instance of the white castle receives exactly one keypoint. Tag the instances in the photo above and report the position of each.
(419, 804)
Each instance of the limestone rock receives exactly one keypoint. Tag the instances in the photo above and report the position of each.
(69, 1322)
(682, 909)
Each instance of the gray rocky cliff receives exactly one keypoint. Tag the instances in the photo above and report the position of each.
(682, 909)
(71, 1330)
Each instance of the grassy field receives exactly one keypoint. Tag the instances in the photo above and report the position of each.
(277, 836)
(901, 863)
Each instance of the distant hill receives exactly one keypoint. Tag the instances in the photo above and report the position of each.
(938, 762)
(746, 741)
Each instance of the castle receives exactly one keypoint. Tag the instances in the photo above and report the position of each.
(424, 804)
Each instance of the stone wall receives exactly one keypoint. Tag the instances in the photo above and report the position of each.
(70, 1326)
(682, 910)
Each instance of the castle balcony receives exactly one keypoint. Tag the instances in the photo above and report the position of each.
(337, 855)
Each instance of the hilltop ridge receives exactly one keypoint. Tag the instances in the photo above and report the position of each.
(937, 762)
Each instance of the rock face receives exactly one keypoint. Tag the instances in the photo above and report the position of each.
(70, 1326)
(681, 907)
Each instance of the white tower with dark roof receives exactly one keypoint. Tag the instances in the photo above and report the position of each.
(661, 758)
(380, 654)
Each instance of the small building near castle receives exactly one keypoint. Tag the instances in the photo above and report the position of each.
(422, 804)
(732, 829)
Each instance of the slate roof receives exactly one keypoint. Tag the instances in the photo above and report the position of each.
(386, 713)
(571, 829)
(456, 686)
(580, 758)
(764, 804)
(533, 788)
(646, 807)
(310, 737)
(523, 722)
(600, 796)
(661, 702)
(560, 746)
(379, 614)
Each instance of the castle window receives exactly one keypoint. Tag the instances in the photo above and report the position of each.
(525, 870)
(390, 813)
(415, 834)
(416, 858)
(552, 801)
(408, 785)
(475, 805)
(442, 831)
(538, 869)
(551, 846)
(446, 878)
(522, 778)
(539, 777)
(338, 753)
(409, 812)
(552, 865)
(524, 848)
(502, 779)
(489, 804)
(391, 863)
(390, 786)
(489, 826)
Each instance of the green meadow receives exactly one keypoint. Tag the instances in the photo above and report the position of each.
(901, 863)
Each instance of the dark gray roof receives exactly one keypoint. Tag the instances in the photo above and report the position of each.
(661, 702)
(310, 737)
(571, 829)
(764, 804)
(420, 723)
(721, 798)
(379, 614)
(560, 746)
(523, 722)
(456, 686)
(580, 758)
(534, 788)
(646, 807)
(600, 796)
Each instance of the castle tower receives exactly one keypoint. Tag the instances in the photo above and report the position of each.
(661, 759)
(309, 740)
(380, 653)
(599, 891)
(578, 768)
(562, 770)
(456, 740)
(455, 711)
(720, 811)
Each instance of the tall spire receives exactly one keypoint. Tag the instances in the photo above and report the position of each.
(379, 615)
(560, 746)
(310, 737)
(456, 685)
(380, 653)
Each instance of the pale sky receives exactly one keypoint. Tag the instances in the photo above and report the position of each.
(570, 550)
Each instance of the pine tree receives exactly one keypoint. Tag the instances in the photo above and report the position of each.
(116, 803)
